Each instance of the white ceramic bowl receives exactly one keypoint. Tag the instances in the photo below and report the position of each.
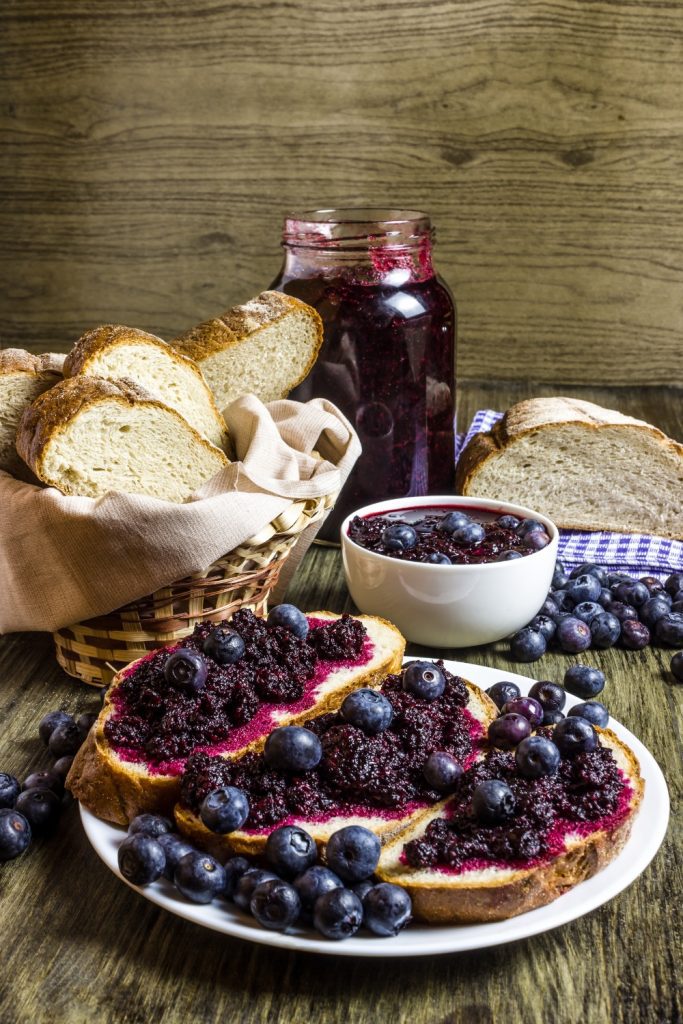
(450, 605)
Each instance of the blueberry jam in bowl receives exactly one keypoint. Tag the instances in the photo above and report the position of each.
(449, 571)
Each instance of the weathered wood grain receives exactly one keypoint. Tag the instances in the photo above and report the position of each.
(150, 151)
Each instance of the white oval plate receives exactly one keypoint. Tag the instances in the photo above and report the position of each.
(646, 837)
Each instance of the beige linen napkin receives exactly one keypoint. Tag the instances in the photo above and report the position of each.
(64, 559)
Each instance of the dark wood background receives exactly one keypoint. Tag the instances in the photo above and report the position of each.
(150, 149)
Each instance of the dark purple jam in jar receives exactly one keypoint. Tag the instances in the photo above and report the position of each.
(388, 355)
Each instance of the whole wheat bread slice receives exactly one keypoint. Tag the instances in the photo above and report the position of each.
(585, 467)
(23, 377)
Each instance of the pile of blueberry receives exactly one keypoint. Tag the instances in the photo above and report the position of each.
(32, 808)
(337, 898)
(593, 608)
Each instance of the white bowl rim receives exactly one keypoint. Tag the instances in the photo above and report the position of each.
(456, 501)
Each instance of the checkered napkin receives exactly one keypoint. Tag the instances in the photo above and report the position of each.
(635, 553)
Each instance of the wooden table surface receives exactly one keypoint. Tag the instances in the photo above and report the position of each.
(77, 945)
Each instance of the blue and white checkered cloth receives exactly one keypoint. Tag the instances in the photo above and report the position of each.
(634, 553)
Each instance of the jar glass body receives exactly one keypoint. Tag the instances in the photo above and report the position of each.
(388, 355)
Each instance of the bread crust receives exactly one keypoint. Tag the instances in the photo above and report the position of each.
(17, 360)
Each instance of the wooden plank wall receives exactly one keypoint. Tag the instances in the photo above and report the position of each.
(149, 150)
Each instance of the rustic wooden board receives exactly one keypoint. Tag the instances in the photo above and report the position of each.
(150, 150)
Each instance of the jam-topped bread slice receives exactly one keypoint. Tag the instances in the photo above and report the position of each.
(560, 830)
(363, 777)
(180, 700)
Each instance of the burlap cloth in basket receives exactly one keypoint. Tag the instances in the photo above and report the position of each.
(65, 559)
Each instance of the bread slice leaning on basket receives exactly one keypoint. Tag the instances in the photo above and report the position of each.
(23, 377)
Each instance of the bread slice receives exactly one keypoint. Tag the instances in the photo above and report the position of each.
(113, 351)
(265, 347)
(497, 893)
(88, 436)
(585, 467)
(23, 377)
(116, 789)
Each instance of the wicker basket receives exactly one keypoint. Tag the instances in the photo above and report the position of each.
(93, 651)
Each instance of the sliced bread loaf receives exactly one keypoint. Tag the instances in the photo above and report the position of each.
(88, 436)
(113, 351)
(585, 467)
(265, 347)
(23, 377)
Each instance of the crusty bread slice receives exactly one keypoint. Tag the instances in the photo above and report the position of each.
(117, 790)
(585, 467)
(494, 893)
(265, 347)
(113, 351)
(23, 377)
(88, 436)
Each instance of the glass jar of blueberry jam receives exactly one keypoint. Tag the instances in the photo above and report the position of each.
(388, 355)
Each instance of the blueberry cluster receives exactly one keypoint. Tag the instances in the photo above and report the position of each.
(593, 608)
(337, 897)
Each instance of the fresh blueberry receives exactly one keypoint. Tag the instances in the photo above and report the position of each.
(537, 756)
(493, 801)
(587, 610)
(15, 833)
(438, 558)
(584, 681)
(528, 644)
(289, 617)
(508, 730)
(632, 593)
(368, 710)
(634, 635)
(593, 711)
(62, 766)
(589, 569)
(234, 868)
(508, 522)
(275, 905)
(563, 601)
(605, 630)
(290, 850)
(442, 771)
(552, 717)
(605, 597)
(292, 748)
(338, 914)
(677, 666)
(469, 535)
(677, 606)
(574, 735)
(560, 577)
(501, 693)
(388, 909)
(224, 810)
(9, 789)
(45, 780)
(536, 540)
(424, 679)
(41, 808)
(509, 556)
(551, 696)
(353, 853)
(527, 707)
(187, 670)
(549, 608)
(175, 848)
(313, 883)
(528, 526)
(621, 611)
(66, 738)
(615, 578)
(246, 884)
(669, 629)
(652, 610)
(361, 889)
(199, 877)
(86, 721)
(573, 635)
(583, 588)
(141, 859)
(453, 521)
(399, 537)
(654, 585)
(153, 825)
(544, 624)
(50, 722)
(674, 583)
(225, 646)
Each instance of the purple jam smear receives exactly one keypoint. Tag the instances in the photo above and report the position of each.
(161, 725)
(358, 775)
(588, 792)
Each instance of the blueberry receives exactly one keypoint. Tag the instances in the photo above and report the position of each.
(15, 834)
(199, 877)
(234, 868)
(353, 853)
(399, 537)
(493, 801)
(438, 558)
(292, 748)
(442, 771)
(453, 521)
(584, 681)
(654, 585)
(424, 679)
(225, 646)
(187, 670)
(313, 883)
(66, 738)
(674, 583)
(528, 526)
(175, 848)
(587, 610)
(246, 884)
(508, 522)
(290, 850)
(605, 630)
(615, 578)
(652, 610)
(50, 722)
(573, 635)
(388, 909)
(593, 711)
(583, 588)
(224, 810)
(45, 780)
(86, 721)
(574, 735)
(469, 535)
(275, 905)
(141, 859)
(545, 625)
(508, 730)
(9, 789)
(632, 593)
(563, 600)
(537, 756)
(290, 618)
(528, 644)
(676, 667)
(338, 914)
(501, 693)
(527, 707)
(560, 577)
(621, 611)
(62, 766)
(549, 608)
(552, 717)
(669, 629)
(41, 808)
(634, 635)
(509, 556)
(551, 696)
(153, 825)
(605, 597)
(677, 606)
(368, 710)
(536, 541)
(590, 569)
(361, 889)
